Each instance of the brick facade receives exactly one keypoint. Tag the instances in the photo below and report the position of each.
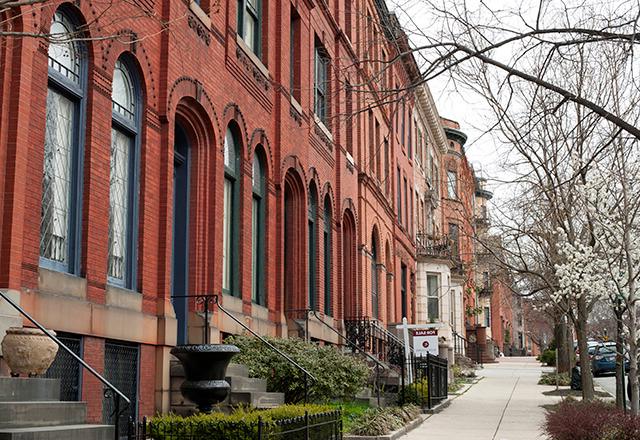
(196, 73)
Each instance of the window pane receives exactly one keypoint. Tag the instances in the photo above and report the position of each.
(250, 29)
(230, 151)
(433, 307)
(452, 185)
(226, 235)
(255, 260)
(56, 183)
(63, 50)
(118, 204)
(122, 95)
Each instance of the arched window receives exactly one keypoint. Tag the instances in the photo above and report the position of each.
(258, 230)
(328, 251)
(230, 215)
(312, 245)
(62, 175)
(122, 177)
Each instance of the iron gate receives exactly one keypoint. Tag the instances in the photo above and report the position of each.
(67, 369)
(121, 369)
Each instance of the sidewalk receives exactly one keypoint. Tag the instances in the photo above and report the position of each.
(504, 405)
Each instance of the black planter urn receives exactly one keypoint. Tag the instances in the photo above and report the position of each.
(205, 367)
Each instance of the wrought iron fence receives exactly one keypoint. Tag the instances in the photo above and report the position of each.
(424, 380)
(66, 368)
(323, 426)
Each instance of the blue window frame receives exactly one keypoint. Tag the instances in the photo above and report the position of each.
(230, 214)
(258, 230)
(61, 211)
(328, 251)
(123, 182)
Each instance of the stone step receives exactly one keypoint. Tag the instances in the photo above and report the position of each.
(23, 389)
(259, 400)
(237, 370)
(41, 413)
(62, 432)
(240, 383)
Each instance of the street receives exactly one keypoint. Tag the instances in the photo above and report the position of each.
(505, 405)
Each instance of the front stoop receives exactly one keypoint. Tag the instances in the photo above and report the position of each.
(245, 390)
(31, 409)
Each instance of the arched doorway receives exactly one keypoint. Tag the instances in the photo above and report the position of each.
(180, 242)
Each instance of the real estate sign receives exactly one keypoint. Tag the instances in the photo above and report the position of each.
(425, 341)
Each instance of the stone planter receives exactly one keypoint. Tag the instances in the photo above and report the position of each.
(28, 351)
(205, 367)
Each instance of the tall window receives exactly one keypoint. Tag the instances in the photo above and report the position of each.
(386, 166)
(403, 290)
(433, 302)
(452, 184)
(230, 214)
(312, 245)
(399, 191)
(258, 231)
(410, 140)
(294, 54)
(250, 24)
(62, 174)
(452, 308)
(374, 276)
(328, 251)
(349, 110)
(321, 89)
(122, 182)
(487, 317)
(455, 242)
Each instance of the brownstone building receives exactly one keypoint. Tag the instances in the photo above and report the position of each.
(156, 149)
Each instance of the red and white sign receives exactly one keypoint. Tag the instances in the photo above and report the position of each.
(425, 341)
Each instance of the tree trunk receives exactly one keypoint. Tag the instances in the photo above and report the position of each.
(585, 362)
(620, 400)
(633, 356)
(560, 335)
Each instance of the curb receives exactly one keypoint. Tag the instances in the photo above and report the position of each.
(395, 434)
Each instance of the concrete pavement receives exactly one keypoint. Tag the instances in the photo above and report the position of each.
(504, 405)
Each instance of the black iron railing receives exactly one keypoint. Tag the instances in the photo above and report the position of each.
(323, 426)
(110, 390)
(435, 247)
(204, 300)
(459, 344)
(424, 380)
(372, 338)
(307, 376)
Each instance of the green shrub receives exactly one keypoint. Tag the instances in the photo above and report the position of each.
(381, 421)
(241, 423)
(340, 376)
(550, 379)
(416, 393)
(548, 357)
(351, 411)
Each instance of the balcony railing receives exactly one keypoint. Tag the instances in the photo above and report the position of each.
(435, 247)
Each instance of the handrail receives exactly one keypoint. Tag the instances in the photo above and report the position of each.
(117, 393)
(390, 335)
(216, 301)
(349, 341)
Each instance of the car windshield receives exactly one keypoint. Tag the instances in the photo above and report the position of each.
(607, 350)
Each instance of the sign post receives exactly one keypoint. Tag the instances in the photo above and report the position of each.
(405, 326)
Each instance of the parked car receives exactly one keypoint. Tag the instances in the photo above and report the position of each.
(592, 345)
(604, 359)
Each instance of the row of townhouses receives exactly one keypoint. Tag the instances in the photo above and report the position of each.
(283, 155)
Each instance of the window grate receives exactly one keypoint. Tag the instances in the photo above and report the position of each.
(67, 369)
(121, 369)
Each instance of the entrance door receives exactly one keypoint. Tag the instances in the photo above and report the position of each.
(180, 245)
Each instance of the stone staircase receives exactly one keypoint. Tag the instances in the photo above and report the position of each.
(245, 390)
(31, 409)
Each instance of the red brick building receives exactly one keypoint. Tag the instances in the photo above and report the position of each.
(158, 149)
